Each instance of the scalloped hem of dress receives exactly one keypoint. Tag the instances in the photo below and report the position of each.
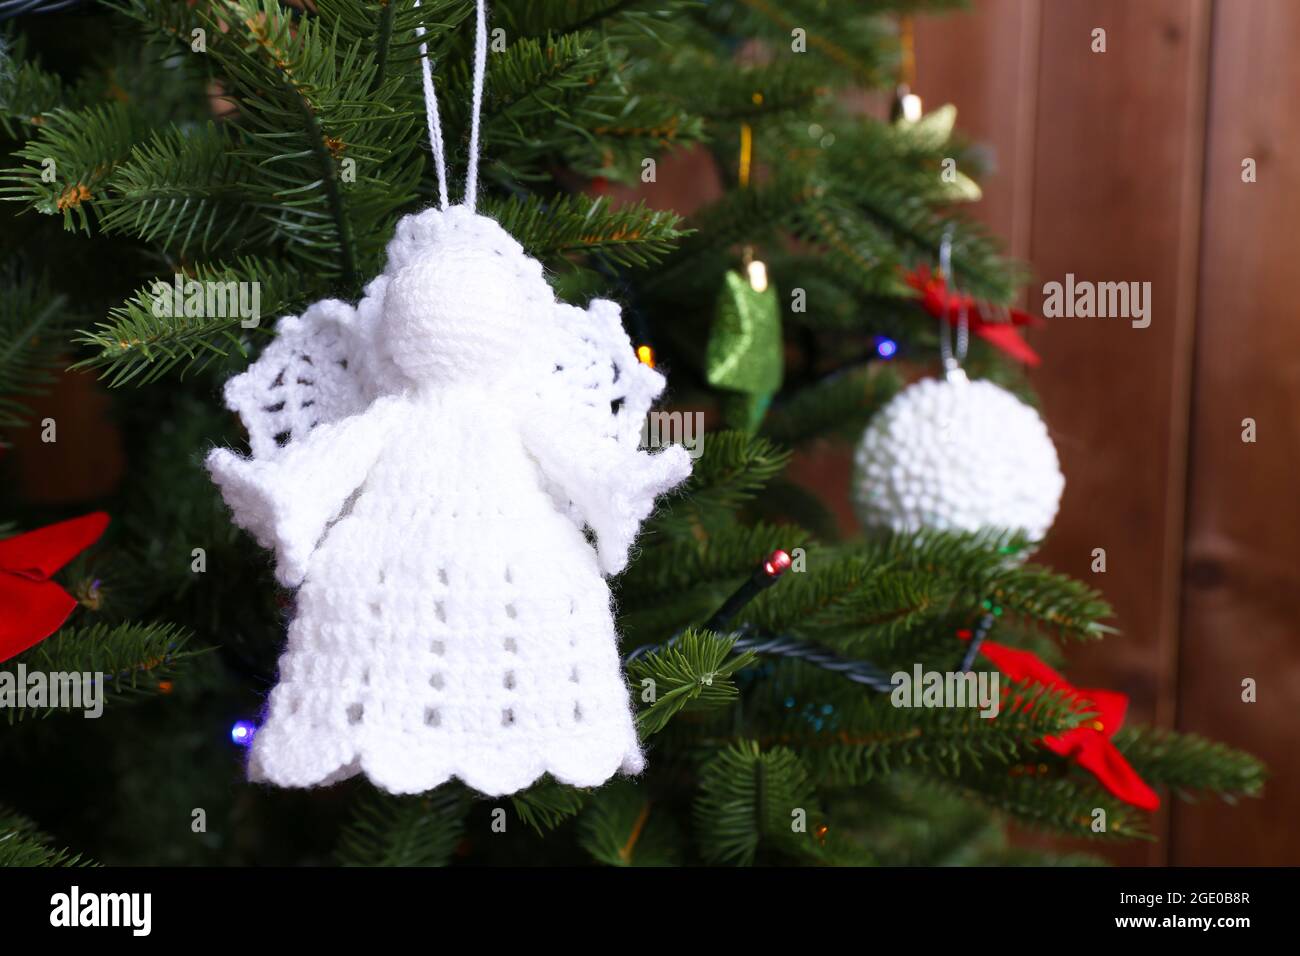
(399, 771)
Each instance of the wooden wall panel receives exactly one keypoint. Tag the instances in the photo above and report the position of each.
(1241, 596)
(1109, 167)
(1099, 174)
(1117, 198)
(985, 61)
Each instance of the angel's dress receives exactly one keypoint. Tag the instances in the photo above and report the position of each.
(453, 622)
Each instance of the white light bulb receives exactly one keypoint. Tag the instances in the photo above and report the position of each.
(911, 107)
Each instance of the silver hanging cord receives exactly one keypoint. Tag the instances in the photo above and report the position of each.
(952, 358)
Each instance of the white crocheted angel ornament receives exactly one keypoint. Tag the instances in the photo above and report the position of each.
(424, 467)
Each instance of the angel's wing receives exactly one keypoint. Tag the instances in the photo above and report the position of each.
(601, 372)
(313, 372)
(302, 403)
(601, 391)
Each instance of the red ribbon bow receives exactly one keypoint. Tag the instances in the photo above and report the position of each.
(1089, 744)
(34, 607)
(942, 304)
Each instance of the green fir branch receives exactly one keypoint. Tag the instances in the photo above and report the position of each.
(623, 826)
(854, 737)
(27, 92)
(388, 830)
(126, 660)
(184, 192)
(529, 19)
(23, 844)
(692, 673)
(70, 160)
(33, 322)
(1191, 765)
(982, 566)
(840, 404)
(546, 805)
(144, 339)
(1056, 802)
(733, 470)
(750, 798)
(664, 571)
(630, 235)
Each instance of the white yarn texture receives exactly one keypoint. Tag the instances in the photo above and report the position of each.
(957, 456)
(424, 467)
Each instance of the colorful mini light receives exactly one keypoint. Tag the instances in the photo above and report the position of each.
(776, 564)
(241, 732)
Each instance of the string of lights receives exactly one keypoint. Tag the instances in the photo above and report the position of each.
(783, 645)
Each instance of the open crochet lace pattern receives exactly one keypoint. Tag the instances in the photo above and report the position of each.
(452, 617)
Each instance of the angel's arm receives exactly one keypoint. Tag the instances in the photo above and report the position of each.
(287, 501)
(614, 487)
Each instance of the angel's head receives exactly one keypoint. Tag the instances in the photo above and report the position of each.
(460, 298)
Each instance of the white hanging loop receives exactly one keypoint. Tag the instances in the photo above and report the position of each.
(431, 117)
(480, 64)
(431, 111)
(952, 359)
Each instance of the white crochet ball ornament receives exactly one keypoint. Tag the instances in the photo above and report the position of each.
(957, 456)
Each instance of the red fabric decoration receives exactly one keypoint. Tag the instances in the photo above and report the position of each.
(32, 607)
(1089, 745)
(942, 304)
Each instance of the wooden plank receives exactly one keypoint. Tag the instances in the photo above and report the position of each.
(1103, 182)
(1116, 199)
(1241, 578)
(84, 462)
(985, 61)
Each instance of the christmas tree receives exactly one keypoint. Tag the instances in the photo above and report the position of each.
(180, 175)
